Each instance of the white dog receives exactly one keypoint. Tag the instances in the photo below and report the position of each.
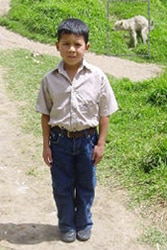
(137, 25)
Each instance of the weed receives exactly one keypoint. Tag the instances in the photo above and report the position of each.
(158, 97)
(156, 237)
(155, 158)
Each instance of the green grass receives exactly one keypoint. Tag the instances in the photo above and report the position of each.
(120, 10)
(157, 237)
(39, 20)
(137, 144)
(136, 149)
(26, 72)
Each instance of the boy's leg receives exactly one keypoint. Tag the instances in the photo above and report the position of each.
(85, 180)
(63, 183)
(69, 155)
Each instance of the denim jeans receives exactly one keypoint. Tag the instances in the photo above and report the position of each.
(73, 180)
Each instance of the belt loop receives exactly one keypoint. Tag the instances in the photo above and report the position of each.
(63, 132)
(68, 134)
(86, 132)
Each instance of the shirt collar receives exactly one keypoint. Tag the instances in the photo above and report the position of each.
(85, 64)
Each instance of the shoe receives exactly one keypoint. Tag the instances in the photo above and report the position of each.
(68, 236)
(84, 235)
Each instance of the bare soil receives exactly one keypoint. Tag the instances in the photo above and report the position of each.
(27, 210)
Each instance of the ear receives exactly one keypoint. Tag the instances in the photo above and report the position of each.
(87, 46)
(57, 46)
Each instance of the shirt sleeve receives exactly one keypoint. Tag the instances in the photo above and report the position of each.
(108, 103)
(44, 102)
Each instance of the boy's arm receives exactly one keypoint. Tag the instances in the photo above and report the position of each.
(99, 148)
(47, 155)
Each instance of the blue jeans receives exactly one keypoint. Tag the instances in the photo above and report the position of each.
(73, 180)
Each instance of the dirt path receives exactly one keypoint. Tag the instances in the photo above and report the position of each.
(27, 212)
(117, 67)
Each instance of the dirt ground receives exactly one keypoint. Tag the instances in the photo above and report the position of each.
(27, 212)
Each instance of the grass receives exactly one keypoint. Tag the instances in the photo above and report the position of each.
(39, 20)
(136, 148)
(119, 10)
(26, 76)
(157, 237)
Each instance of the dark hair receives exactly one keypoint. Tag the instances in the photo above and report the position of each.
(73, 26)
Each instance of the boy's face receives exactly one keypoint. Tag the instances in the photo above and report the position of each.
(72, 49)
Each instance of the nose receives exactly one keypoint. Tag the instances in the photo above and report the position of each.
(72, 48)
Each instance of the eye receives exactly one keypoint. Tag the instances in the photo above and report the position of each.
(65, 43)
(78, 45)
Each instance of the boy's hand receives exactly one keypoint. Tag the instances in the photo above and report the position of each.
(47, 156)
(99, 148)
(98, 154)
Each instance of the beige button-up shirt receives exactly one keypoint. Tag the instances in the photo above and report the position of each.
(78, 104)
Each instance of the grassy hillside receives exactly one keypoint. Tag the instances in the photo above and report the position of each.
(158, 36)
(39, 20)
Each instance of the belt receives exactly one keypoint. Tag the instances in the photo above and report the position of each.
(76, 134)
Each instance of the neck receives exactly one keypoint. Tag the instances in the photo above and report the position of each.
(71, 70)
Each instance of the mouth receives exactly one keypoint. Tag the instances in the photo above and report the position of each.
(72, 57)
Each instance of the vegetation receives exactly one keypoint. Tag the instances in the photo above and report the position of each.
(39, 20)
(136, 150)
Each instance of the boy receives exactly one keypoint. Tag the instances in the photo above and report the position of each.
(74, 99)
